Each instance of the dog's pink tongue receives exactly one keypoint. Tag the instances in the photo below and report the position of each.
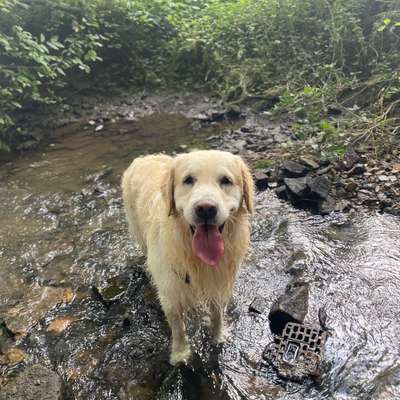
(208, 244)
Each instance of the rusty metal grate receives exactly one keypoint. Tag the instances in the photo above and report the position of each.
(297, 353)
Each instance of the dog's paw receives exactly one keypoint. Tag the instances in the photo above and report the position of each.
(180, 356)
(220, 337)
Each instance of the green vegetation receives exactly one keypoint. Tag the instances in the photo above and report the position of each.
(264, 163)
(315, 54)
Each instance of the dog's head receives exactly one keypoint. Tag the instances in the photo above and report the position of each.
(207, 188)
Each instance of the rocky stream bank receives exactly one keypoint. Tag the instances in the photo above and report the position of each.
(79, 318)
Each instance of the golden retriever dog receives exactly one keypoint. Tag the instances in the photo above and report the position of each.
(190, 215)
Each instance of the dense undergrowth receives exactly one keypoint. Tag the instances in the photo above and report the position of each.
(309, 58)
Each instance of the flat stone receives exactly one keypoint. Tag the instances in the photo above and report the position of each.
(324, 170)
(309, 162)
(297, 186)
(293, 169)
(383, 178)
(320, 186)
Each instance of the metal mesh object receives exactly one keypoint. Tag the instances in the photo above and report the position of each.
(297, 353)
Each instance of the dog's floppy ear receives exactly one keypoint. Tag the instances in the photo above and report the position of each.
(168, 189)
(247, 187)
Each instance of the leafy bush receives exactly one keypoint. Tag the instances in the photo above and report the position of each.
(36, 53)
(315, 52)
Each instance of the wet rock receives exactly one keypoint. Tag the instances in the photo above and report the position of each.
(281, 192)
(392, 210)
(342, 205)
(366, 197)
(97, 176)
(292, 306)
(172, 387)
(272, 185)
(309, 162)
(27, 312)
(239, 144)
(115, 288)
(12, 355)
(293, 169)
(258, 305)
(297, 186)
(27, 145)
(334, 111)
(327, 206)
(396, 168)
(59, 324)
(350, 159)
(358, 169)
(136, 391)
(320, 186)
(261, 180)
(351, 186)
(99, 128)
(383, 178)
(324, 170)
(192, 383)
(217, 115)
(384, 200)
(33, 383)
(5, 333)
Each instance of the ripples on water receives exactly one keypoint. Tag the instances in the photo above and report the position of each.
(62, 226)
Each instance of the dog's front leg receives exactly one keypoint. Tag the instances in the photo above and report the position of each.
(180, 348)
(217, 322)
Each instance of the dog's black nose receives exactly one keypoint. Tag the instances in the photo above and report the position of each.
(206, 211)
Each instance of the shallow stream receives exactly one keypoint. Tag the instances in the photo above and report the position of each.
(73, 291)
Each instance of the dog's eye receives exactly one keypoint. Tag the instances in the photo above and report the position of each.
(225, 181)
(189, 180)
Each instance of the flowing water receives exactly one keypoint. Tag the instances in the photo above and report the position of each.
(74, 297)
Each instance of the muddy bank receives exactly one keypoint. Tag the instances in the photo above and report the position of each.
(39, 126)
(77, 309)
